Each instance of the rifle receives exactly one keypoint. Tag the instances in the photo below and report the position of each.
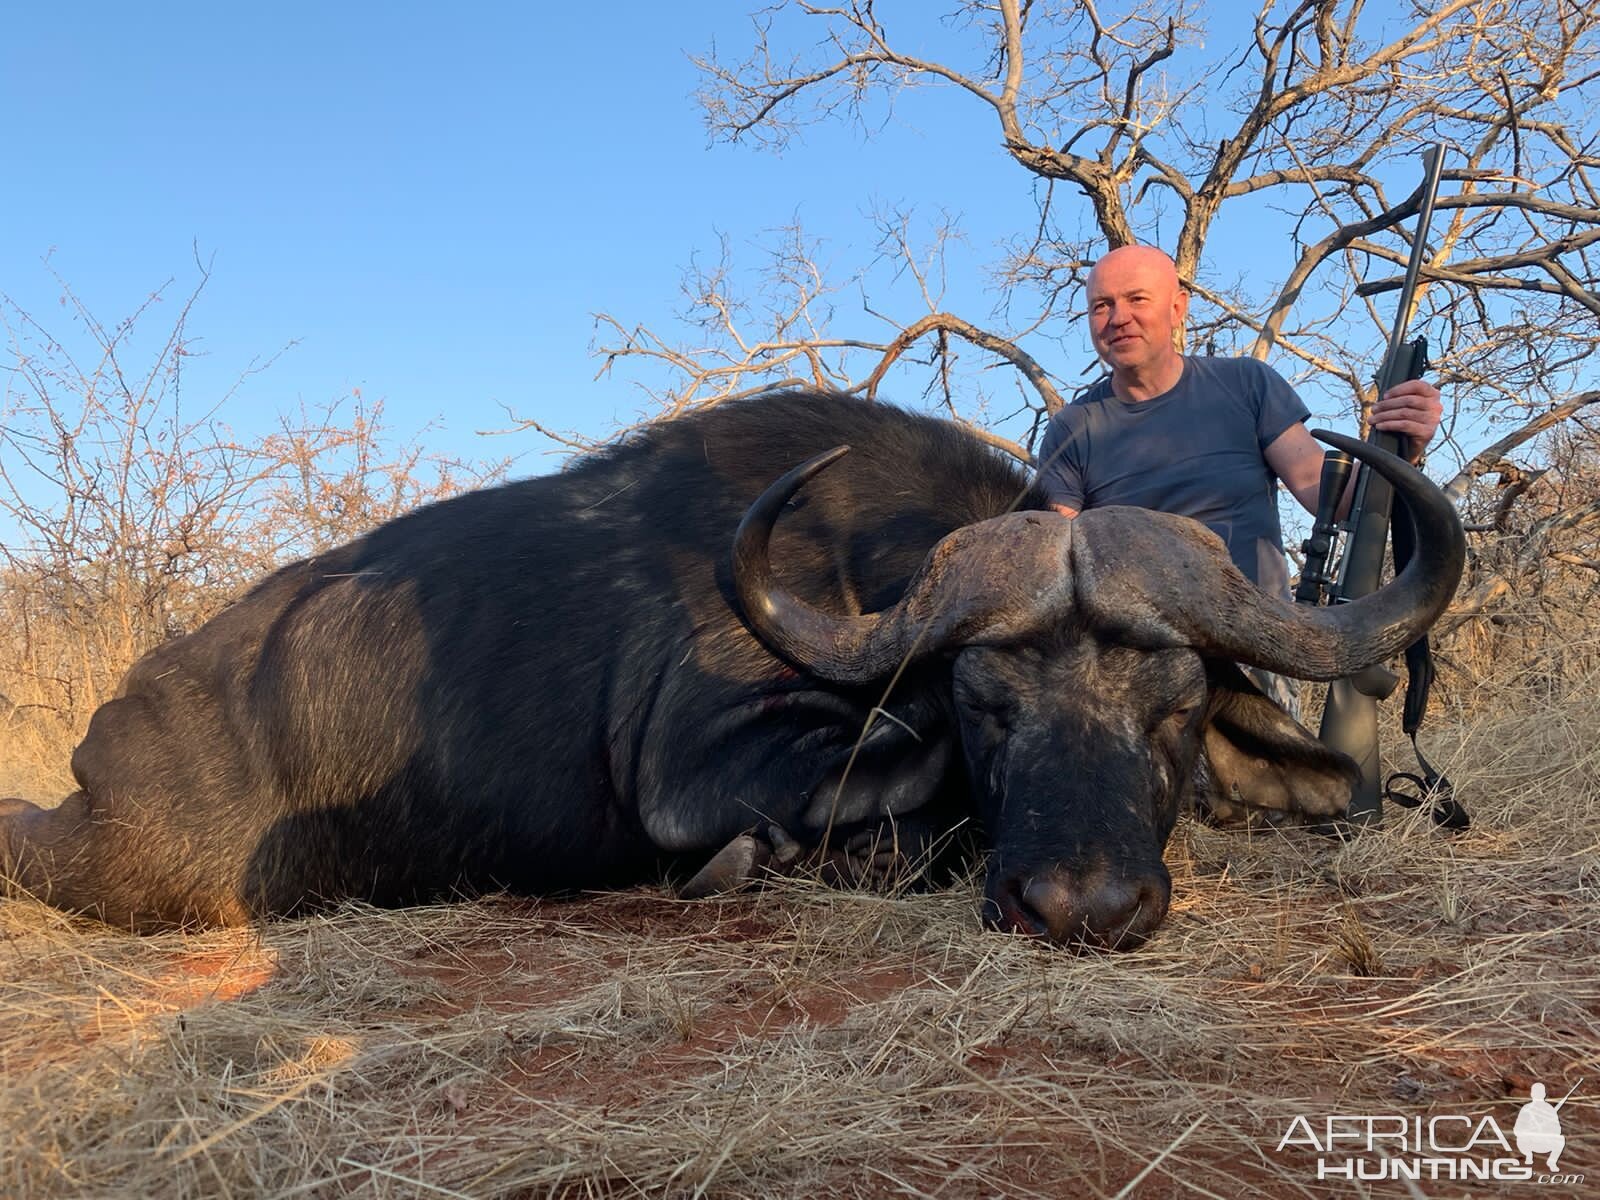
(1567, 1097)
(1350, 717)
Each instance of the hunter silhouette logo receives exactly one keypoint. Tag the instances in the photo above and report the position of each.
(1445, 1146)
(1538, 1127)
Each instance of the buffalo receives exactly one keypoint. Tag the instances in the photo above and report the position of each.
(659, 661)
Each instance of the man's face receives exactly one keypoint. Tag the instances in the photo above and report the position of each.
(1135, 308)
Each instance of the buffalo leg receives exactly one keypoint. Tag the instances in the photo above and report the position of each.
(895, 852)
(80, 857)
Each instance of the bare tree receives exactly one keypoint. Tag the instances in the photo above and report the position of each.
(1167, 130)
(1165, 124)
(780, 338)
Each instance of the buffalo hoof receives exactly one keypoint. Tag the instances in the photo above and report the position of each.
(885, 857)
(748, 859)
(738, 864)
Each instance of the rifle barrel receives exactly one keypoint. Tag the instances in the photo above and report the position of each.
(1567, 1097)
(1432, 167)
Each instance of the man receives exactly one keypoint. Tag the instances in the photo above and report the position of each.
(1202, 437)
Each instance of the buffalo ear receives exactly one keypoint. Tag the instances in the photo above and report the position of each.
(1259, 761)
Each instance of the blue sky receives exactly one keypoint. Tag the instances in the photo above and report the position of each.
(429, 203)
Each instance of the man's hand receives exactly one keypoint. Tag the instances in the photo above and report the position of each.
(1411, 409)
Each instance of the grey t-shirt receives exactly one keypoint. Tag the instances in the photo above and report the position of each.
(1195, 450)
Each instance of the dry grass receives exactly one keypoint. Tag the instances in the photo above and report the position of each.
(804, 1042)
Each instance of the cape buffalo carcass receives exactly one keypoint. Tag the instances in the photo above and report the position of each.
(586, 680)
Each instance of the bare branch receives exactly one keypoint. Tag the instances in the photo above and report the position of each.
(1486, 459)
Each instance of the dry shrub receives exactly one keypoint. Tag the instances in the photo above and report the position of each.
(131, 514)
(1527, 620)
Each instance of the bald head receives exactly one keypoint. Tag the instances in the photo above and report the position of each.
(1136, 307)
(1146, 262)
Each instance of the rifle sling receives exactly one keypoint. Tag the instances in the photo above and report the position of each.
(1447, 811)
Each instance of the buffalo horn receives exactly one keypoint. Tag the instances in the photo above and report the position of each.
(988, 581)
(1162, 586)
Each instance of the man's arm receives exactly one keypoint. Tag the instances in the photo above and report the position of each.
(1058, 473)
(1296, 458)
(1411, 409)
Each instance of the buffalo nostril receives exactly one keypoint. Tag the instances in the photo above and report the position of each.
(1127, 910)
(1094, 909)
(1009, 911)
(1117, 912)
(1057, 906)
(1128, 914)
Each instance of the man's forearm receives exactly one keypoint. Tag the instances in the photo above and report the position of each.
(1414, 456)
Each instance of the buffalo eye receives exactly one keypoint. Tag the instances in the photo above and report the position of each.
(979, 708)
(984, 708)
(1180, 715)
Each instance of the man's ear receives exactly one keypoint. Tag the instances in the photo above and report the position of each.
(1180, 318)
(1257, 759)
